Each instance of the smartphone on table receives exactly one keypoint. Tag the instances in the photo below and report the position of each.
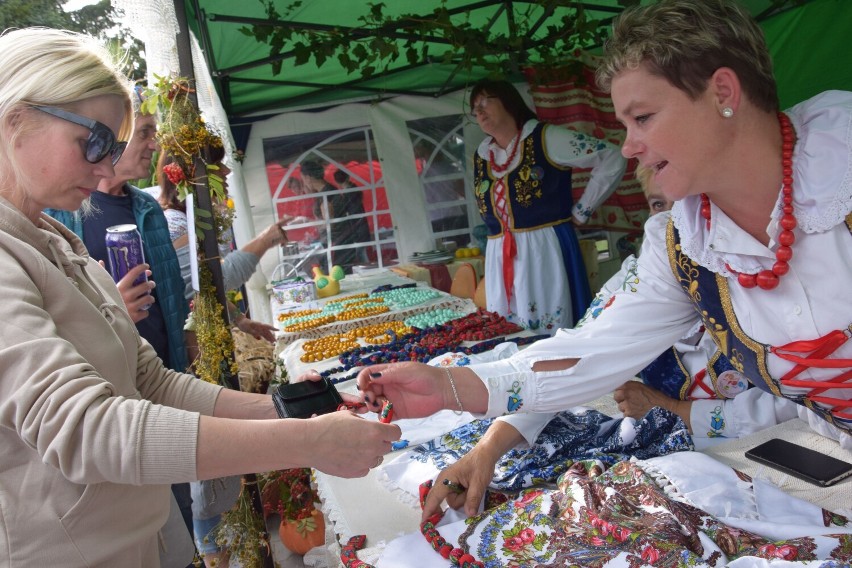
(799, 461)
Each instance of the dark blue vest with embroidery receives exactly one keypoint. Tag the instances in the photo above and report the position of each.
(539, 191)
(711, 297)
(668, 374)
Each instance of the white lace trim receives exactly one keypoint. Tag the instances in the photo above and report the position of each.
(745, 491)
(332, 510)
(824, 124)
(400, 494)
(824, 128)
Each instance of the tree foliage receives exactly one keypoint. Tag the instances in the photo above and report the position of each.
(24, 13)
(99, 20)
(378, 40)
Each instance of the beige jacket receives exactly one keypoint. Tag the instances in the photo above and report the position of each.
(90, 432)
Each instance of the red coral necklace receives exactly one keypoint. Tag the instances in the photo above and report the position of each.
(768, 279)
(500, 168)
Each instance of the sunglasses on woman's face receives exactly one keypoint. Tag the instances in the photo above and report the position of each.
(101, 142)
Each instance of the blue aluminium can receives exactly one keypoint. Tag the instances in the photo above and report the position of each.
(124, 249)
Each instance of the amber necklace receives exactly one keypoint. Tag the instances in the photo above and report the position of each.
(768, 279)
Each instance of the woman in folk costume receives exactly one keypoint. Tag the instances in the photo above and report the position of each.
(534, 271)
(759, 247)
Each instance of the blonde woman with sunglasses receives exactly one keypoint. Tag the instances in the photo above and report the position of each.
(93, 427)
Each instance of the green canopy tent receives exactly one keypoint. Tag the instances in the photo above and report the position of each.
(807, 41)
(264, 91)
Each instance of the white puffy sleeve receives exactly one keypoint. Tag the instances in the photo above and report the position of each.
(637, 325)
(577, 150)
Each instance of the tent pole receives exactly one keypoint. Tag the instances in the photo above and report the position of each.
(210, 242)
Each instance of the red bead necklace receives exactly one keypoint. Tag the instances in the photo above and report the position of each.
(502, 168)
(457, 556)
(768, 279)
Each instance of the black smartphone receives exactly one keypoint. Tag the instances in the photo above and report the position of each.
(800, 462)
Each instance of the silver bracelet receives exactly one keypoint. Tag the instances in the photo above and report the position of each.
(455, 392)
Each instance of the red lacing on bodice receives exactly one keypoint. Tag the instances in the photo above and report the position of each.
(510, 249)
(814, 353)
(698, 383)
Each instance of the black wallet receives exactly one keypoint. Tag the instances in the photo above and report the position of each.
(304, 399)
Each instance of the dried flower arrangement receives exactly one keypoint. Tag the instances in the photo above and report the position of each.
(184, 135)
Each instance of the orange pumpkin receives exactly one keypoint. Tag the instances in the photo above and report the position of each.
(302, 535)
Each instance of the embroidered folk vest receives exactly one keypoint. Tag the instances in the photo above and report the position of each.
(538, 190)
(710, 295)
(668, 374)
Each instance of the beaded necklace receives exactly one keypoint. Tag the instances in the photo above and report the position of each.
(386, 287)
(432, 318)
(353, 360)
(500, 168)
(768, 279)
(329, 346)
(456, 556)
(424, 344)
(405, 297)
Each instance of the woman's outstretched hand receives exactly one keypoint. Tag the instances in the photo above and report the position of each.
(462, 484)
(344, 444)
(416, 390)
(256, 329)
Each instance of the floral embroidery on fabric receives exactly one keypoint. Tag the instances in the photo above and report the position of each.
(568, 438)
(583, 211)
(583, 144)
(515, 402)
(527, 183)
(717, 423)
(451, 360)
(599, 303)
(482, 187)
(621, 517)
(631, 276)
(548, 321)
(605, 299)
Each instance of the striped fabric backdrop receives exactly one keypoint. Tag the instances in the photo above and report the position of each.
(579, 105)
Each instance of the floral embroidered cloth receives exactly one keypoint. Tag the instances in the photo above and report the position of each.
(684, 509)
(572, 436)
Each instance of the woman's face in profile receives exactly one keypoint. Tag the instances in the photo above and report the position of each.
(62, 177)
(680, 138)
(489, 112)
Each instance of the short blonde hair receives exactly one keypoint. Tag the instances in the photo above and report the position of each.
(41, 66)
(686, 41)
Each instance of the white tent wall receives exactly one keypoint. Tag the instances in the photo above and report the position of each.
(154, 23)
(387, 119)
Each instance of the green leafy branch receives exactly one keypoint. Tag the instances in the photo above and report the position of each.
(442, 35)
(381, 40)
